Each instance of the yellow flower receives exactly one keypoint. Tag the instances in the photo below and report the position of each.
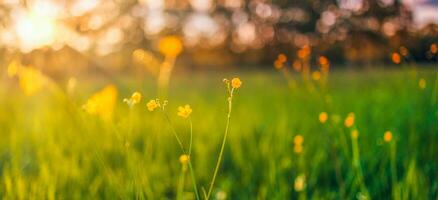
(298, 149)
(434, 48)
(298, 140)
(170, 46)
(323, 117)
(387, 136)
(91, 106)
(304, 52)
(102, 103)
(134, 99)
(282, 58)
(323, 60)
(422, 84)
(349, 121)
(184, 159)
(152, 104)
(354, 134)
(236, 83)
(300, 183)
(278, 64)
(31, 80)
(396, 58)
(297, 65)
(185, 111)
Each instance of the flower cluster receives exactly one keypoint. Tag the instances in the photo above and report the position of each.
(279, 63)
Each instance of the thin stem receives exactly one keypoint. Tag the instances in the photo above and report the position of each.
(191, 136)
(174, 132)
(192, 174)
(218, 163)
(395, 190)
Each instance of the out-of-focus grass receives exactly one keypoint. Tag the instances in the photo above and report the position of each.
(51, 149)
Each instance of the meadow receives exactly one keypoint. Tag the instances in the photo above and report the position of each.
(364, 134)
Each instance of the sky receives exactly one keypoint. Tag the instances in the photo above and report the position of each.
(425, 11)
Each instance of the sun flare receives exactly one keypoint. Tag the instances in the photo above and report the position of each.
(35, 30)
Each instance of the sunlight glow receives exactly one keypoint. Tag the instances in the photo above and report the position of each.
(34, 30)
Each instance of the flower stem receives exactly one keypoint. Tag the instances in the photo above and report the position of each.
(218, 163)
(174, 132)
(192, 174)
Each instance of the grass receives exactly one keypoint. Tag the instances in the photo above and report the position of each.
(51, 149)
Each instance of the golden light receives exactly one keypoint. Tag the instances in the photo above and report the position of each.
(34, 30)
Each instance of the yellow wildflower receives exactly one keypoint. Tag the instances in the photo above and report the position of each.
(323, 60)
(236, 83)
(434, 48)
(304, 52)
(185, 111)
(349, 121)
(152, 104)
(102, 103)
(396, 58)
(31, 80)
(170, 46)
(323, 117)
(387, 136)
(297, 65)
(278, 64)
(298, 149)
(298, 140)
(134, 99)
(282, 58)
(300, 183)
(184, 159)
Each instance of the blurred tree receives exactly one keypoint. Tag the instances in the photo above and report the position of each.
(242, 31)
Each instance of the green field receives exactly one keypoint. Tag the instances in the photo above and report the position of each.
(50, 148)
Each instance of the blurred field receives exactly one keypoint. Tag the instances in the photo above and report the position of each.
(51, 149)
